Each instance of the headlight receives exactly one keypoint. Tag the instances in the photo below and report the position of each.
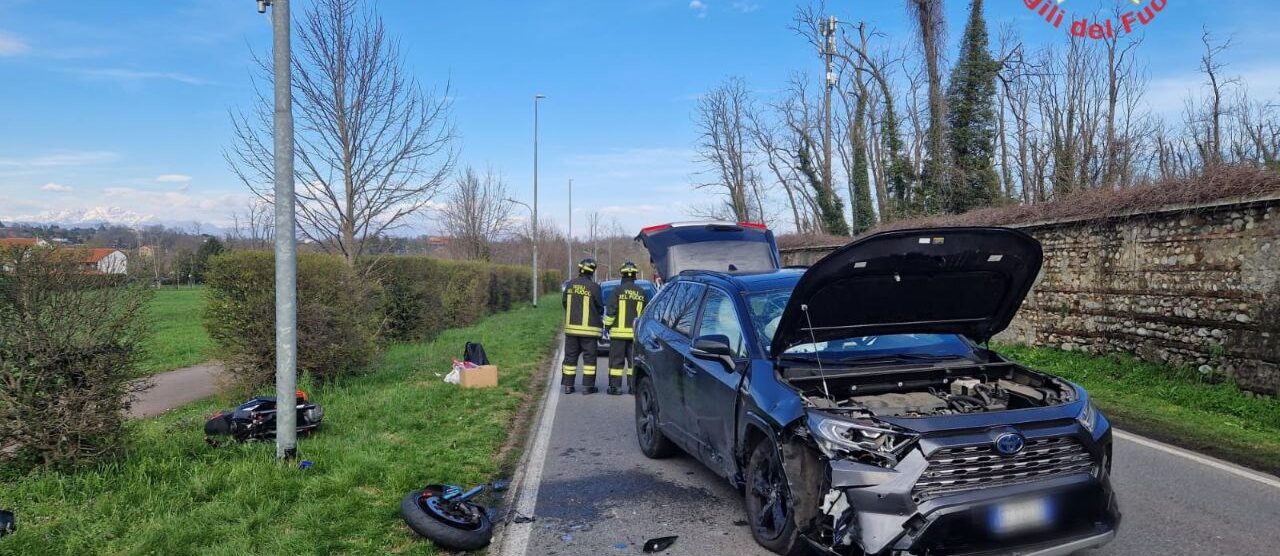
(1088, 417)
(837, 434)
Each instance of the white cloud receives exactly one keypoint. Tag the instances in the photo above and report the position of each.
(699, 7)
(119, 74)
(173, 178)
(746, 7)
(12, 45)
(55, 187)
(60, 159)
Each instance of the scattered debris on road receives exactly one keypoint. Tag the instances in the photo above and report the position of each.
(659, 544)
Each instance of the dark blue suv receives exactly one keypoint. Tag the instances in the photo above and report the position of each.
(857, 405)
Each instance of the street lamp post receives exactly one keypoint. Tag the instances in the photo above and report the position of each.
(286, 246)
(534, 235)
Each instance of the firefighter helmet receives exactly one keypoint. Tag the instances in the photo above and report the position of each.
(629, 269)
(587, 266)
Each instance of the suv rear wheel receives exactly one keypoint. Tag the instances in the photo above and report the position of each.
(769, 503)
(653, 443)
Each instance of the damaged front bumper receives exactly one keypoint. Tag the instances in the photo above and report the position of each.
(953, 495)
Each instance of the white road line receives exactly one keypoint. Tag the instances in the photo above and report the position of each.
(1198, 458)
(515, 538)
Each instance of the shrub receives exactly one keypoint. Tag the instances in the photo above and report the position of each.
(338, 317)
(421, 296)
(67, 348)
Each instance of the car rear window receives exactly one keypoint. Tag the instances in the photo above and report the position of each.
(721, 256)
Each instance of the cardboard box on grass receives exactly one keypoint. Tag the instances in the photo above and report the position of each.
(484, 376)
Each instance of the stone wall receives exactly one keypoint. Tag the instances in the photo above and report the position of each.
(1194, 285)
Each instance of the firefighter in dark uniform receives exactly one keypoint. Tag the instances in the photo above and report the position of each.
(624, 305)
(583, 313)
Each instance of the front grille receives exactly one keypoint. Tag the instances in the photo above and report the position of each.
(953, 470)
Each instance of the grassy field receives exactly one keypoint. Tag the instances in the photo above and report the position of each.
(1173, 405)
(384, 434)
(178, 338)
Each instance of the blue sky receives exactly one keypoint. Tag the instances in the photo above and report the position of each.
(119, 108)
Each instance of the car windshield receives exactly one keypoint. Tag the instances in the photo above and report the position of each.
(766, 311)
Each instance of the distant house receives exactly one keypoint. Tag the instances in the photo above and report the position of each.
(22, 242)
(102, 260)
(106, 261)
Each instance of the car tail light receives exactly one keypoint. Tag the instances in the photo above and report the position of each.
(753, 225)
(655, 228)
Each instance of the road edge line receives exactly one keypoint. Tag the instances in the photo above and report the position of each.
(514, 539)
(1199, 458)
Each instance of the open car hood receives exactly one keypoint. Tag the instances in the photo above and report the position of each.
(715, 246)
(967, 281)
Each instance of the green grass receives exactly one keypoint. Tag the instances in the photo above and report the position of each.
(1171, 404)
(178, 338)
(384, 435)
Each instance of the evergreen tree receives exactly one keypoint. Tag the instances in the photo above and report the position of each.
(972, 119)
(830, 209)
(864, 217)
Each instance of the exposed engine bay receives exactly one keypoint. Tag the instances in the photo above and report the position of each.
(933, 392)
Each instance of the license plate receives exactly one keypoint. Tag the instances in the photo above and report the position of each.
(1012, 517)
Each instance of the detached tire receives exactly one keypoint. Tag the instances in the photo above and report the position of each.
(653, 443)
(446, 534)
(770, 506)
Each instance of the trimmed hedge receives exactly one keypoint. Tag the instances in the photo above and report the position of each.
(338, 319)
(343, 312)
(68, 344)
(422, 296)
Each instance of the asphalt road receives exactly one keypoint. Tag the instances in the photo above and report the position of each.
(176, 388)
(597, 494)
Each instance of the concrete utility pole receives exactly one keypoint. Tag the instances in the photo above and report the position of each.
(828, 50)
(568, 241)
(534, 234)
(286, 242)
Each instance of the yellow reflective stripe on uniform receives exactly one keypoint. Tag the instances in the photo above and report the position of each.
(622, 315)
(622, 334)
(586, 310)
(615, 372)
(608, 321)
(582, 331)
(588, 369)
(568, 369)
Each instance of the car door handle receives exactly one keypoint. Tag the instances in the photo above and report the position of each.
(689, 368)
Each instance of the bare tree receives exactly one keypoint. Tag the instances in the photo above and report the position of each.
(253, 227)
(476, 213)
(595, 226)
(721, 119)
(372, 146)
(1206, 122)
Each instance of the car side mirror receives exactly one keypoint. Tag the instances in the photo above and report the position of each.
(714, 347)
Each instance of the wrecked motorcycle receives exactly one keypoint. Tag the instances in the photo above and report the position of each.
(256, 419)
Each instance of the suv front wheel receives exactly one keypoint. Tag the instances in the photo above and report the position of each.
(770, 507)
(653, 443)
